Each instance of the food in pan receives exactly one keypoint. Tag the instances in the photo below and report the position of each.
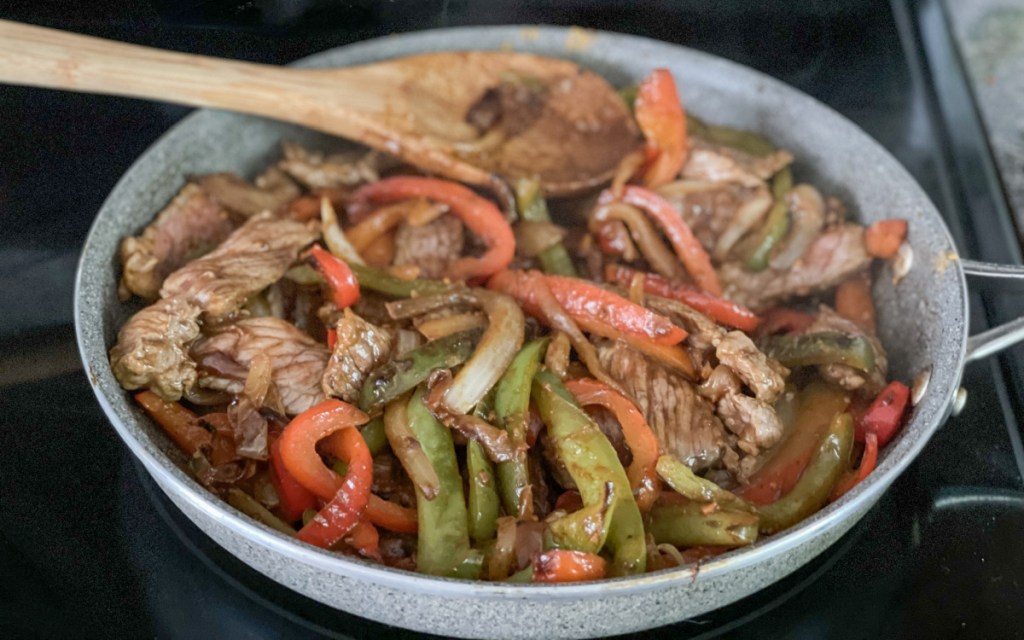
(388, 365)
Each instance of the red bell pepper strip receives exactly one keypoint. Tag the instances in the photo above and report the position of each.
(643, 478)
(343, 511)
(883, 238)
(855, 303)
(662, 119)
(885, 415)
(564, 565)
(177, 422)
(341, 280)
(689, 250)
(294, 497)
(365, 539)
(594, 309)
(347, 497)
(391, 516)
(868, 462)
(479, 214)
(332, 338)
(718, 309)
(569, 501)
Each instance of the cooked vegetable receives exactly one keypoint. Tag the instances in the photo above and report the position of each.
(383, 282)
(815, 485)
(408, 449)
(640, 439)
(252, 508)
(340, 279)
(854, 302)
(483, 494)
(592, 462)
(867, 464)
(687, 247)
(402, 374)
(718, 309)
(825, 347)
(443, 542)
(177, 422)
(745, 141)
(691, 486)
(885, 415)
(533, 208)
(883, 238)
(480, 215)
(560, 565)
(659, 256)
(294, 498)
(512, 406)
(768, 236)
(660, 116)
(688, 525)
(596, 310)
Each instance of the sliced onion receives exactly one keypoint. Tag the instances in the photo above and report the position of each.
(378, 223)
(499, 566)
(424, 212)
(408, 450)
(807, 213)
(496, 442)
(557, 318)
(499, 344)
(334, 237)
(646, 237)
(747, 216)
(441, 327)
(534, 236)
(636, 288)
(412, 307)
(627, 168)
(556, 358)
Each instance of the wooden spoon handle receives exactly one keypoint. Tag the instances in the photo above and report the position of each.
(41, 57)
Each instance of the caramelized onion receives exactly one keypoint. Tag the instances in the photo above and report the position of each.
(662, 260)
(408, 450)
(534, 236)
(334, 237)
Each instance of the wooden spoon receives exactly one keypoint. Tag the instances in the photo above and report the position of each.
(527, 115)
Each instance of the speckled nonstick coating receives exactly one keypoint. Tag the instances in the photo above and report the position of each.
(923, 323)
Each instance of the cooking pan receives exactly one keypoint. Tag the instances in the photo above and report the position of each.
(922, 321)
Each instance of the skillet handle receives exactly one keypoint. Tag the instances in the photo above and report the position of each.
(998, 277)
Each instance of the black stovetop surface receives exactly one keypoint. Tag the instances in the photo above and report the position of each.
(90, 548)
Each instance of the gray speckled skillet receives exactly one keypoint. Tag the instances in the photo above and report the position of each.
(924, 325)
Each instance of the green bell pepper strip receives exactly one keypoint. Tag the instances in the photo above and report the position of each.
(383, 282)
(684, 481)
(512, 407)
(824, 347)
(373, 433)
(591, 460)
(745, 141)
(686, 525)
(398, 376)
(815, 485)
(483, 494)
(585, 529)
(443, 539)
(775, 226)
(521, 577)
(252, 508)
(532, 206)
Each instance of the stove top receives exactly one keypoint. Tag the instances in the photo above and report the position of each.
(90, 547)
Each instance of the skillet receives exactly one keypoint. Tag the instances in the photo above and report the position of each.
(922, 321)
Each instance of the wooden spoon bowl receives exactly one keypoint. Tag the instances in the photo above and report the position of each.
(471, 116)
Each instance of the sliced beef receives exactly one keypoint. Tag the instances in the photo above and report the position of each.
(712, 163)
(762, 375)
(272, 192)
(684, 422)
(317, 171)
(432, 247)
(751, 419)
(190, 226)
(252, 258)
(843, 375)
(152, 349)
(297, 361)
(710, 210)
(833, 257)
(360, 348)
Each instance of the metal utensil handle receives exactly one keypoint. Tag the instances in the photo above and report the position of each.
(999, 277)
